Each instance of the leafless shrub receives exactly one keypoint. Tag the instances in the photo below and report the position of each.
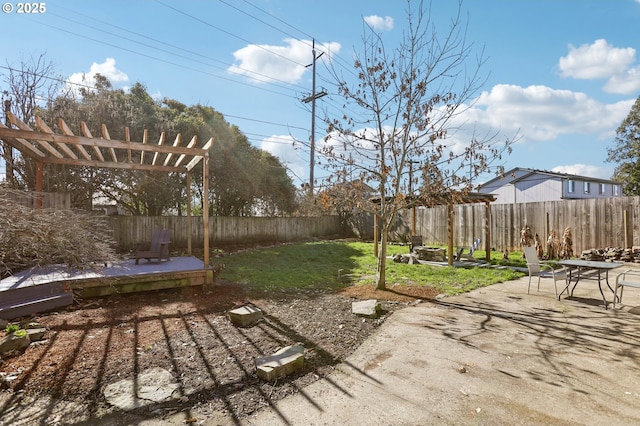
(31, 237)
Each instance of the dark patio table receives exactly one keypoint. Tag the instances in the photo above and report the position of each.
(588, 269)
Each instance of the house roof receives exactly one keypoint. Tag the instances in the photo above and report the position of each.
(510, 177)
(445, 199)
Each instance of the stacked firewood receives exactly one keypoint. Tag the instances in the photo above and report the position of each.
(613, 254)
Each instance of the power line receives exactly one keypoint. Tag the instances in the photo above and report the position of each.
(329, 54)
(265, 122)
(164, 60)
(261, 20)
(195, 18)
(189, 51)
(182, 49)
(61, 80)
(276, 18)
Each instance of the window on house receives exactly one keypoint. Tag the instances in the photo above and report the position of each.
(616, 190)
(603, 189)
(572, 186)
(587, 187)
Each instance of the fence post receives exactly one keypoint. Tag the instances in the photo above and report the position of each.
(487, 237)
(626, 231)
(547, 229)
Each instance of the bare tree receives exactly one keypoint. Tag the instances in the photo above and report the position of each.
(403, 111)
(28, 87)
(31, 85)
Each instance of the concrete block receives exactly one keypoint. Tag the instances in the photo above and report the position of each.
(245, 315)
(286, 361)
(366, 308)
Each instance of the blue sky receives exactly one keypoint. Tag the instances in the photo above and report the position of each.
(563, 74)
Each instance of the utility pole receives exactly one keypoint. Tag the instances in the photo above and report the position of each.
(312, 98)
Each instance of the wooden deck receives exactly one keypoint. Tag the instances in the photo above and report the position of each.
(50, 287)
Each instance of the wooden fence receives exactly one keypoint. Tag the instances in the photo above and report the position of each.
(129, 230)
(50, 200)
(594, 223)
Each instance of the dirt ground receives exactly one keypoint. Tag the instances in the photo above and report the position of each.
(100, 341)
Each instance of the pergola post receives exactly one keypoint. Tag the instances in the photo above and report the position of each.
(189, 219)
(205, 207)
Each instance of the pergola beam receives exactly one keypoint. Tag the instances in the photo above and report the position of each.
(160, 143)
(67, 131)
(46, 129)
(105, 134)
(87, 133)
(80, 141)
(116, 165)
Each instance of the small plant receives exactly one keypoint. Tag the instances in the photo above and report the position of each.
(20, 333)
(10, 328)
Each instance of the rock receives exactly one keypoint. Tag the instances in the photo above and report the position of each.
(366, 308)
(405, 258)
(3, 323)
(245, 316)
(36, 334)
(7, 378)
(432, 254)
(152, 386)
(14, 342)
(26, 325)
(284, 362)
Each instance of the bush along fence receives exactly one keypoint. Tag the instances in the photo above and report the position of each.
(594, 223)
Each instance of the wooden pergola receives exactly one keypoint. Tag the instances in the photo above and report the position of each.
(46, 147)
(448, 199)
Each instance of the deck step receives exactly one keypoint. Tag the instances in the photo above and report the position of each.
(34, 306)
(24, 301)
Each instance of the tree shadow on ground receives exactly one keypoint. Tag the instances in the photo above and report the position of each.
(190, 336)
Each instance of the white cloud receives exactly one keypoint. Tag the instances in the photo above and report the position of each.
(602, 60)
(264, 63)
(541, 113)
(585, 170)
(624, 83)
(283, 147)
(107, 69)
(379, 23)
(598, 60)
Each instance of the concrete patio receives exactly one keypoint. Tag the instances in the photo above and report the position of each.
(495, 356)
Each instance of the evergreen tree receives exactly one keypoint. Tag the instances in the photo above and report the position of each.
(626, 152)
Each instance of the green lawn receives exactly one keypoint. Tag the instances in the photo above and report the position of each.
(338, 264)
